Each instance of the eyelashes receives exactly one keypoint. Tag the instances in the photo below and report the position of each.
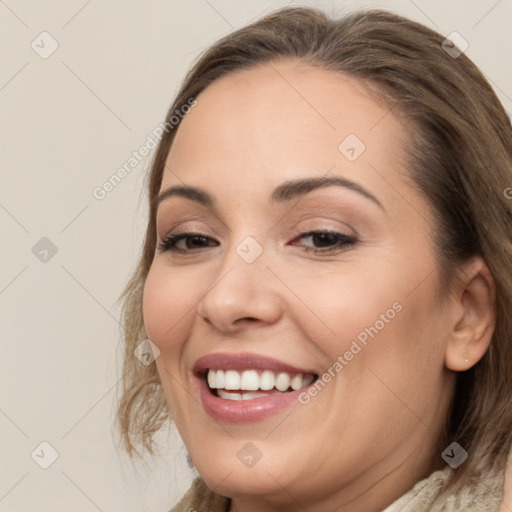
(338, 240)
(330, 241)
(170, 242)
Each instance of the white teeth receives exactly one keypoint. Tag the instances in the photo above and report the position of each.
(232, 380)
(251, 380)
(229, 396)
(283, 382)
(307, 380)
(296, 382)
(267, 380)
(220, 379)
(211, 380)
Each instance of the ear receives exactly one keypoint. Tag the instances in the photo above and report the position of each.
(475, 318)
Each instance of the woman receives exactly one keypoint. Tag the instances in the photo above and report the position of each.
(325, 278)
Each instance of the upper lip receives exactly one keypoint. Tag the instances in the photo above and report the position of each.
(245, 361)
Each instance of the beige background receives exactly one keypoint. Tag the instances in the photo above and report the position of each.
(67, 123)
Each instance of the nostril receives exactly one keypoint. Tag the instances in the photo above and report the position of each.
(247, 318)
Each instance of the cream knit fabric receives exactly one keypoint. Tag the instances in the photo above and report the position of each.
(484, 495)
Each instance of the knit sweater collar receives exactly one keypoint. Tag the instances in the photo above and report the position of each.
(484, 495)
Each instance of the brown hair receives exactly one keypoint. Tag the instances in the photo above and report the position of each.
(460, 157)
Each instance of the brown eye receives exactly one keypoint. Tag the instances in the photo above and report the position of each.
(191, 241)
(327, 241)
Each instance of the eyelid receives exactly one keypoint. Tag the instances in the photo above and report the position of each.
(197, 217)
(324, 224)
(179, 227)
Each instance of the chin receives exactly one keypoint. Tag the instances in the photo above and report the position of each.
(229, 477)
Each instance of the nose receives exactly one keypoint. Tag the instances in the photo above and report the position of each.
(241, 295)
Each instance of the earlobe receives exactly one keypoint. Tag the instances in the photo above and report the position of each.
(474, 325)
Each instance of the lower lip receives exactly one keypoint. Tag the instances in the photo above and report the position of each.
(245, 411)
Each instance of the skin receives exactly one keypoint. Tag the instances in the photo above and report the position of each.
(371, 433)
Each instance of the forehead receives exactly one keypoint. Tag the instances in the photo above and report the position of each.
(285, 118)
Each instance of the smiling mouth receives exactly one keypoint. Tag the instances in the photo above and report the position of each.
(251, 384)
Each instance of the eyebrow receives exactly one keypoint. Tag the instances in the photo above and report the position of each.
(287, 191)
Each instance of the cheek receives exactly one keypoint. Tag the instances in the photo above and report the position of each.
(168, 301)
(167, 308)
(373, 317)
(343, 307)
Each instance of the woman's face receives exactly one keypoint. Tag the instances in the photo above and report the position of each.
(281, 281)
